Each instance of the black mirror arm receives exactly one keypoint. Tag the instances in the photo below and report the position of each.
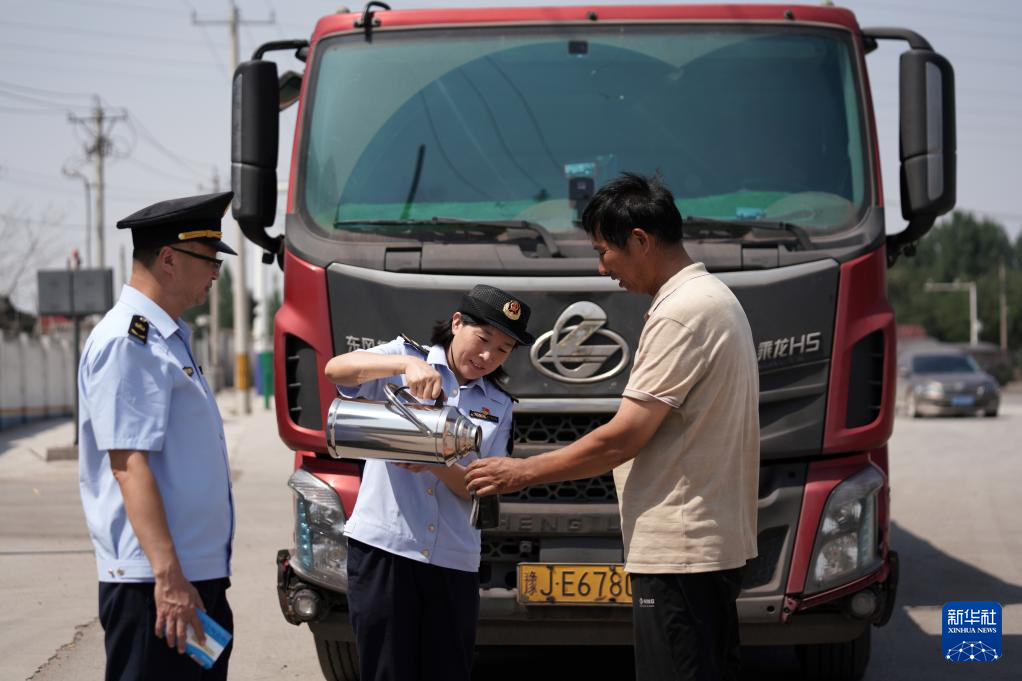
(273, 246)
(276, 45)
(914, 40)
(904, 242)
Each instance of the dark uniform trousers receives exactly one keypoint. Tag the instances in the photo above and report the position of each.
(686, 626)
(412, 620)
(134, 653)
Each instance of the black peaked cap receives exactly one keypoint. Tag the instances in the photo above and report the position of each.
(498, 308)
(192, 218)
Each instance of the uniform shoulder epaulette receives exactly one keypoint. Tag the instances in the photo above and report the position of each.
(138, 328)
(415, 344)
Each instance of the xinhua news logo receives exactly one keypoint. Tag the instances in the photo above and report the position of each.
(971, 631)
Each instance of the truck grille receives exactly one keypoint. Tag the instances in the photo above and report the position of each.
(600, 489)
(498, 549)
(555, 429)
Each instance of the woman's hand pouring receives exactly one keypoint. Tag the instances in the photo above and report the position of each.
(423, 381)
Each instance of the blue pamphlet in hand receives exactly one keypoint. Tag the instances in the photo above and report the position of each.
(217, 639)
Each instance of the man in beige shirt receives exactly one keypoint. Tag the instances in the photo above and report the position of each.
(684, 443)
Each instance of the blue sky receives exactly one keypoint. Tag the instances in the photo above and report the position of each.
(170, 79)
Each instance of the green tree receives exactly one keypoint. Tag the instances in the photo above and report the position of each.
(273, 304)
(960, 248)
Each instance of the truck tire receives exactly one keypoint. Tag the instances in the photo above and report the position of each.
(845, 661)
(338, 660)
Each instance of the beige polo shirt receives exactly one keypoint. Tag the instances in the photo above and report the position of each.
(688, 499)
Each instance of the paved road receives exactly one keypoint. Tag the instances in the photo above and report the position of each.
(955, 508)
(48, 626)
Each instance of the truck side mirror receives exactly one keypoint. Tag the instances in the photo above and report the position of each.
(928, 145)
(254, 138)
(927, 136)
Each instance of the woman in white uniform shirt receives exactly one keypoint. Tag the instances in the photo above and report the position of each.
(413, 555)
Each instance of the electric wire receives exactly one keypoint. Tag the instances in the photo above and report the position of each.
(48, 93)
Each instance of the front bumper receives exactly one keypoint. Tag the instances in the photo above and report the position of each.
(505, 622)
(956, 405)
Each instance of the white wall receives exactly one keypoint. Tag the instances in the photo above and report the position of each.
(36, 380)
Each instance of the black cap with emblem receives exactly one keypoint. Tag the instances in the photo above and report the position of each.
(193, 218)
(498, 308)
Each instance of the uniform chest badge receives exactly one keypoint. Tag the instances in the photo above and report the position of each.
(139, 328)
(512, 310)
(189, 371)
(484, 414)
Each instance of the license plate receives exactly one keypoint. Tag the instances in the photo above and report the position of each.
(962, 400)
(573, 584)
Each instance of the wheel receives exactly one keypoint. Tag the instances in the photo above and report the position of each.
(836, 661)
(990, 413)
(338, 660)
(911, 408)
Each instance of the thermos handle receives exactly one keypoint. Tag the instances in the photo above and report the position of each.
(392, 392)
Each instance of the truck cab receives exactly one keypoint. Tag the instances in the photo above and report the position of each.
(438, 149)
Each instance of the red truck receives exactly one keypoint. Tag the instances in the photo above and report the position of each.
(437, 149)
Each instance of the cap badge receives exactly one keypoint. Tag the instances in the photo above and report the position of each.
(513, 310)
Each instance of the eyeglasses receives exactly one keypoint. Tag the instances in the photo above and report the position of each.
(215, 262)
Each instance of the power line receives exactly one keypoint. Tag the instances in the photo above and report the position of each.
(78, 31)
(204, 76)
(162, 173)
(208, 40)
(901, 9)
(39, 102)
(97, 54)
(187, 163)
(120, 6)
(30, 112)
(41, 91)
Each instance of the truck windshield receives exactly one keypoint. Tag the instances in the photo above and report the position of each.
(524, 124)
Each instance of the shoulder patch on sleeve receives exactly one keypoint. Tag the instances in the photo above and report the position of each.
(415, 344)
(139, 328)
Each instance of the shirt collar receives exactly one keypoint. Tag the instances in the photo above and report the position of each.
(437, 357)
(154, 314)
(693, 271)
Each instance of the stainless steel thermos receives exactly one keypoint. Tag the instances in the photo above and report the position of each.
(396, 430)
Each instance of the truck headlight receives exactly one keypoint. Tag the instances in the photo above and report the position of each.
(321, 550)
(846, 542)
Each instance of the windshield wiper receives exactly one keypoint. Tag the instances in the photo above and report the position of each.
(740, 227)
(495, 225)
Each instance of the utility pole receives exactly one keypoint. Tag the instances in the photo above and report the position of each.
(242, 332)
(68, 172)
(123, 262)
(1002, 276)
(969, 286)
(216, 371)
(99, 146)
